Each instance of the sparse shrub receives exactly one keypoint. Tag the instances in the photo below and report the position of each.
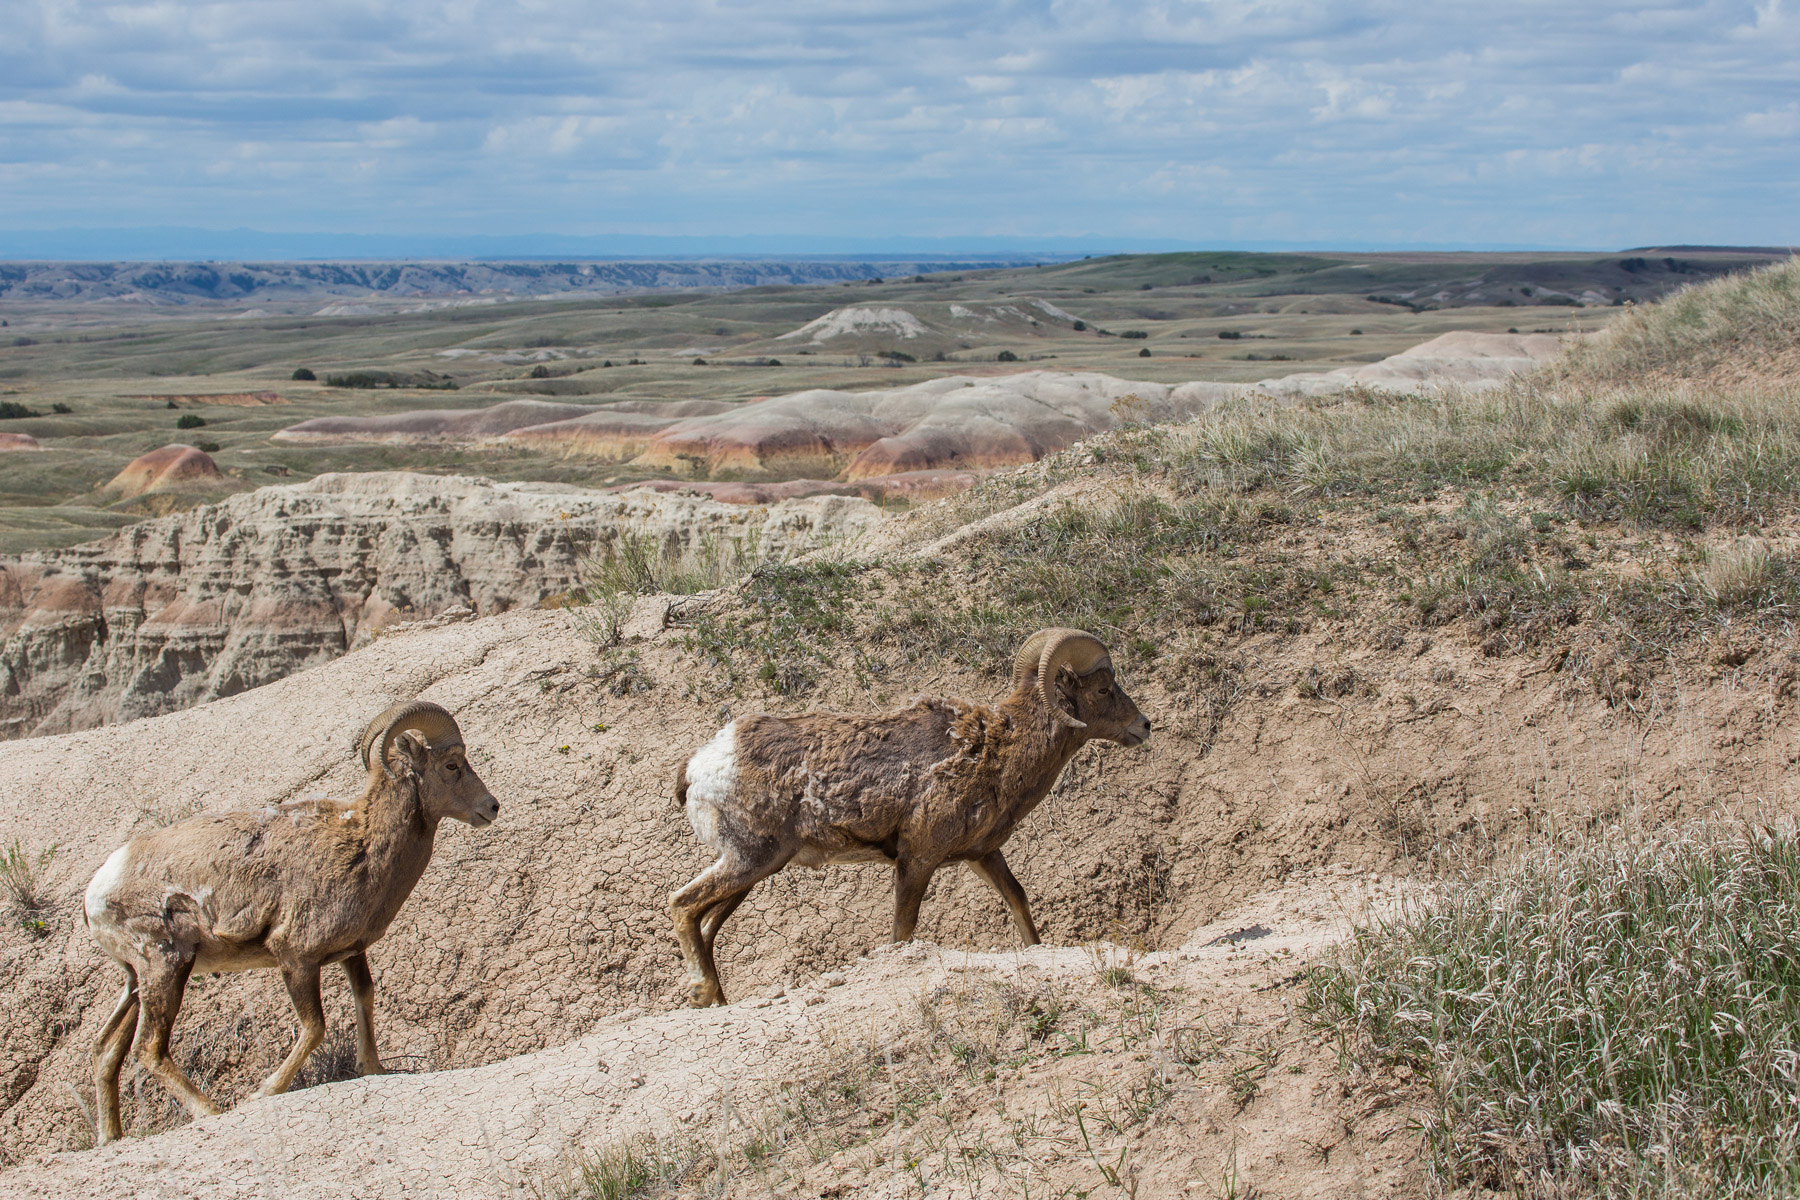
(1619, 1017)
(1134, 334)
(607, 363)
(427, 380)
(634, 565)
(303, 374)
(12, 410)
(189, 421)
(1079, 326)
(22, 886)
(699, 362)
(1006, 356)
(1144, 353)
(1358, 333)
(1230, 335)
(60, 407)
(206, 447)
(540, 372)
(896, 356)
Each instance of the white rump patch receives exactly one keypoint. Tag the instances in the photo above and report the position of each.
(105, 880)
(711, 776)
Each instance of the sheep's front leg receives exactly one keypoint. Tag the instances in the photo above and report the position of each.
(911, 878)
(362, 988)
(302, 981)
(992, 867)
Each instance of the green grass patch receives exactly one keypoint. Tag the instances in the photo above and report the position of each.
(1620, 1018)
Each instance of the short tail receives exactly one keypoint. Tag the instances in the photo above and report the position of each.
(681, 786)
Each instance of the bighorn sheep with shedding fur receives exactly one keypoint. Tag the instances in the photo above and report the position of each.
(296, 887)
(941, 781)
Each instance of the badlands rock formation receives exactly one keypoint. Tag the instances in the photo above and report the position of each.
(472, 425)
(172, 468)
(186, 608)
(1459, 359)
(958, 423)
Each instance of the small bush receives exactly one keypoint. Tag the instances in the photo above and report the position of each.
(1144, 353)
(1136, 334)
(189, 421)
(12, 409)
(60, 407)
(21, 886)
(1079, 326)
(1357, 333)
(896, 356)
(426, 380)
(540, 372)
(699, 362)
(303, 374)
(1006, 356)
(1230, 335)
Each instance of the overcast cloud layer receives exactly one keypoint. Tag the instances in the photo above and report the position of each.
(1562, 123)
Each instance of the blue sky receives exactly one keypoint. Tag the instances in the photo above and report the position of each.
(1576, 123)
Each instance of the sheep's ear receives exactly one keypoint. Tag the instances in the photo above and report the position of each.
(411, 749)
(1068, 685)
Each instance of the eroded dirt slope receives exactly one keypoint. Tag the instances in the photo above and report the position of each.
(522, 936)
(1186, 1068)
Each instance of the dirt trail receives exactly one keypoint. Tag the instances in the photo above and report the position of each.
(506, 1128)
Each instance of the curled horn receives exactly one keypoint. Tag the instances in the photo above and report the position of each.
(1049, 651)
(433, 721)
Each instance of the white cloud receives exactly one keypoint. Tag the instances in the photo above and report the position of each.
(1291, 119)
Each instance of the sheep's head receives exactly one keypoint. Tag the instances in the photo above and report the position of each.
(1071, 671)
(423, 738)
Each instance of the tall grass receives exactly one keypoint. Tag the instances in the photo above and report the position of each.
(635, 564)
(1740, 317)
(1620, 1018)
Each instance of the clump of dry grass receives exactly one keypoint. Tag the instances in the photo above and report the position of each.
(21, 884)
(632, 564)
(1735, 322)
(1616, 1018)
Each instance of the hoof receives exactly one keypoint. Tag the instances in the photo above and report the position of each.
(705, 995)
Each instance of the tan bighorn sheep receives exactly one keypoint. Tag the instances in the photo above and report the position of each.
(295, 888)
(941, 781)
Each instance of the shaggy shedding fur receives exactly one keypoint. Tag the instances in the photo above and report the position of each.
(294, 887)
(941, 781)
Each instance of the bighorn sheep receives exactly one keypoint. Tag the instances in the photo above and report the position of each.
(296, 887)
(941, 781)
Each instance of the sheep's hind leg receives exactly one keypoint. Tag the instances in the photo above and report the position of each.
(993, 868)
(302, 981)
(109, 1055)
(162, 981)
(910, 881)
(362, 989)
(710, 898)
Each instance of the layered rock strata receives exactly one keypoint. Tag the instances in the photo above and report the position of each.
(183, 609)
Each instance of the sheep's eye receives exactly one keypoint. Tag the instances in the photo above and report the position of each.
(1105, 691)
